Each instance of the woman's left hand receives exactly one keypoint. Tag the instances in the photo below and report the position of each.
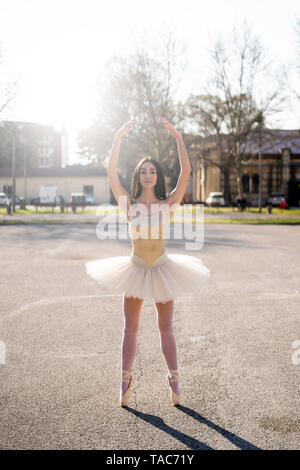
(171, 129)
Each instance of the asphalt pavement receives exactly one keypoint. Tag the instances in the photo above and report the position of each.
(238, 343)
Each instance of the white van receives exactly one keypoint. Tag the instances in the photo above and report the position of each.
(48, 194)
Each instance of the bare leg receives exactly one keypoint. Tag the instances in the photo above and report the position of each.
(132, 309)
(167, 337)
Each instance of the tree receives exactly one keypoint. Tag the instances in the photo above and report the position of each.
(141, 85)
(7, 94)
(25, 138)
(233, 103)
(229, 123)
(298, 40)
(7, 90)
(297, 29)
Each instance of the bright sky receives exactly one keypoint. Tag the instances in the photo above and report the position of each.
(55, 49)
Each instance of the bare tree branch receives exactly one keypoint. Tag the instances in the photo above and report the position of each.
(232, 103)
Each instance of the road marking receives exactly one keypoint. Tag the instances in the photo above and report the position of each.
(279, 295)
(54, 300)
(2, 352)
(206, 336)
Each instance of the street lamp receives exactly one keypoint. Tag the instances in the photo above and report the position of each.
(13, 171)
(260, 123)
(12, 132)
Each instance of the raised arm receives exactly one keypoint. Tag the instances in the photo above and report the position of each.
(112, 164)
(175, 197)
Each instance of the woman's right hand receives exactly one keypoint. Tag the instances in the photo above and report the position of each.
(126, 128)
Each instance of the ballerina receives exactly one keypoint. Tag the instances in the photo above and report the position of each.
(149, 273)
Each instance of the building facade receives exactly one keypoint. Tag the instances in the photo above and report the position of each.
(76, 178)
(36, 145)
(280, 167)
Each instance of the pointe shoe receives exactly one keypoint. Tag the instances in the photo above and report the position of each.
(127, 378)
(175, 397)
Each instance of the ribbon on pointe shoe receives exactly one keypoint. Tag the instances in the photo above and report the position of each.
(173, 377)
(127, 378)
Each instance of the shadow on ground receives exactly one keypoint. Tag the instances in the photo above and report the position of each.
(187, 440)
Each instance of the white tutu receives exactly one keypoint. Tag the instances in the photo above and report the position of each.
(170, 276)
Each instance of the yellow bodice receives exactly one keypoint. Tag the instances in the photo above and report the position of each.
(148, 234)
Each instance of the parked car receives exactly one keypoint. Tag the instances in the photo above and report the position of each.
(215, 199)
(78, 199)
(276, 198)
(89, 198)
(3, 200)
(35, 200)
(48, 194)
(17, 199)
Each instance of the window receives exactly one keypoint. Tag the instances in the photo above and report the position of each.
(45, 163)
(88, 189)
(7, 189)
(255, 182)
(46, 139)
(245, 183)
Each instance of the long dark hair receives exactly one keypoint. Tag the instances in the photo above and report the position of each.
(159, 188)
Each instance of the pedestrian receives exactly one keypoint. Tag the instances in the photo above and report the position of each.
(149, 273)
(269, 205)
(238, 201)
(244, 202)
